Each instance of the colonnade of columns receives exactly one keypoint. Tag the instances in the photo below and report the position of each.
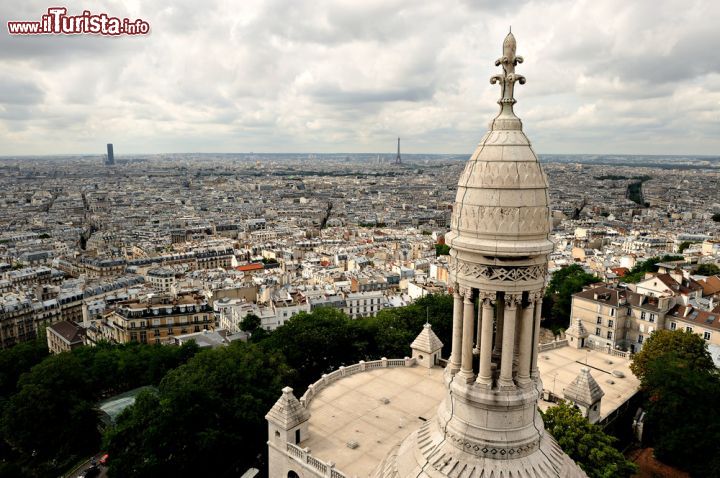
(504, 335)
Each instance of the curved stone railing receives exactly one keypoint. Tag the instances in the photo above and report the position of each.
(609, 350)
(555, 344)
(341, 372)
(303, 456)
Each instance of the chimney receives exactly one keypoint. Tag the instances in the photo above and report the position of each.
(677, 275)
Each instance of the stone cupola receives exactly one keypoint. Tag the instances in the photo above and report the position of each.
(585, 393)
(426, 347)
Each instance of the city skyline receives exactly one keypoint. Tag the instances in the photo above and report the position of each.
(352, 78)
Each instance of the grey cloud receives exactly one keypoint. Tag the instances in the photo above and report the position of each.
(338, 95)
(19, 92)
(278, 75)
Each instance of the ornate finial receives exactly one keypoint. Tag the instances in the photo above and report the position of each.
(507, 80)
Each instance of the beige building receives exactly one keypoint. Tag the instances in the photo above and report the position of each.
(64, 336)
(619, 318)
(161, 278)
(158, 319)
(705, 324)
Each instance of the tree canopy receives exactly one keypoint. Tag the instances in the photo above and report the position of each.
(637, 273)
(250, 323)
(558, 296)
(50, 419)
(685, 245)
(585, 443)
(442, 250)
(686, 346)
(683, 421)
(206, 419)
(677, 377)
(707, 269)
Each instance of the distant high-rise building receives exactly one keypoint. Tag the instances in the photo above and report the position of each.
(398, 159)
(110, 156)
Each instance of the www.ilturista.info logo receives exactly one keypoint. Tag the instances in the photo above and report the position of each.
(58, 22)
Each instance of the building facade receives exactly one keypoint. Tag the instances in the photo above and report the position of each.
(158, 319)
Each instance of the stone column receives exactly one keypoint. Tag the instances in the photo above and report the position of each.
(478, 329)
(538, 299)
(506, 362)
(527, 331)
(499, 322)
(456, 351)
(466, 368)
(486, 344)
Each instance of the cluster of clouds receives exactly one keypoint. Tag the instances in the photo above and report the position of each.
(350, 76)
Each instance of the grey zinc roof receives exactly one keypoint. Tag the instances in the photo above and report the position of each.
(427, 341)
(584, 389)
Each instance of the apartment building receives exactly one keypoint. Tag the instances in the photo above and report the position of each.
(158, 319)
(64, 336)
(618, 317)
(364, 304)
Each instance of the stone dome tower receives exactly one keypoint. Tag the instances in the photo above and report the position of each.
(488, 425)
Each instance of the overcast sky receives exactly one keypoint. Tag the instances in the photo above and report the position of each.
(640, 76)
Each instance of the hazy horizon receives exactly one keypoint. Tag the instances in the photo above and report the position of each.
(291, 75)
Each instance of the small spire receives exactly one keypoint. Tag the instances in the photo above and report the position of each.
(507, 80)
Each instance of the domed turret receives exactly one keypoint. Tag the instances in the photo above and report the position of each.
(488, 424)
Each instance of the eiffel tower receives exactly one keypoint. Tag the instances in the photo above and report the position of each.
(398, 159)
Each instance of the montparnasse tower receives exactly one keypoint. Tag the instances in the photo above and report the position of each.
(488, 425)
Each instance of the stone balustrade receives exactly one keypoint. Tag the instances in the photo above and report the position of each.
(555, 344)
(341, 372)
(303, 455)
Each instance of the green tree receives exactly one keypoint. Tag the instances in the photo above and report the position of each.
(51, 422)
(392, 331)
(686, 346)
(707, 269)
(684, 245)
(683, 422)
(442, 250)
(637, 273)
(250, 323)
(18, 360)
(206, 418)
(316, 343)
(558, 296)
(586, 444)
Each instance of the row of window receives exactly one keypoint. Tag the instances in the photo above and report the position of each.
(706, 334)
(156, 333)
(598, 332)
(168, 321)
(645, 316)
